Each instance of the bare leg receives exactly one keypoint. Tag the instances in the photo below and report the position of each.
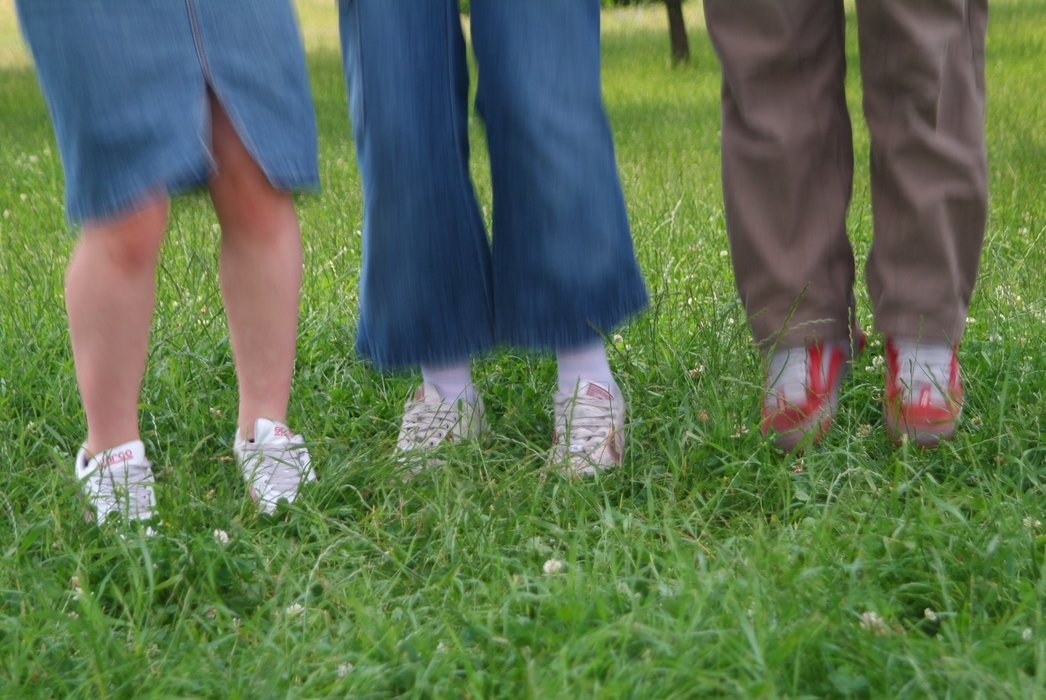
(261, 262)
(110, 293)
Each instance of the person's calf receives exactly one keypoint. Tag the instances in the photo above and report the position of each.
(260, 270)
(110, 295)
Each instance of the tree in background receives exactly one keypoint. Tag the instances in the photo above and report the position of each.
(676, 25)
(677, 32)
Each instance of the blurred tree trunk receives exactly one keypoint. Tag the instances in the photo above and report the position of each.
(677, 32)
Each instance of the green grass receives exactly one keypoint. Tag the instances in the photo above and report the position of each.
(709, 566)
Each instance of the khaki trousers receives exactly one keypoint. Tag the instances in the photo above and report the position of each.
(787, 158)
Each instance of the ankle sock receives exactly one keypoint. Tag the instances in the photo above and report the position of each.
(451, 381)
(587, 363)
(929, 363)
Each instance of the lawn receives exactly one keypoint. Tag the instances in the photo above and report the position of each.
(709, 566)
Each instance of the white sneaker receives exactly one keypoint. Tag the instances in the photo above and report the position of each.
(589, 434)
(429, 420)
(118, 480)
(275, 463)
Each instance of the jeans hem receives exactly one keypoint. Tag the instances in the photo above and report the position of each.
(565, 339)
(415, 357)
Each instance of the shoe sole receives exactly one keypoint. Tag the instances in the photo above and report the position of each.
(924, 437)
(793, 440)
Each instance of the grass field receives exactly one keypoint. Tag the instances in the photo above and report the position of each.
(709, 566)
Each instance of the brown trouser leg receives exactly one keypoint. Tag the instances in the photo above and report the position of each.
(788, 162)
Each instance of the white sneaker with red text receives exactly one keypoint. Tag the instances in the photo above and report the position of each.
(275, 464)
(589, 432)
(118, 480)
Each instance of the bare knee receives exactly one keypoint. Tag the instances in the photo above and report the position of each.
(132, 241)
(248, 206)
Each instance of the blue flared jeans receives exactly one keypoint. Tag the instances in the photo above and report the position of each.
(560, 269)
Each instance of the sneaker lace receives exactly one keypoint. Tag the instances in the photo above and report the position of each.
(585, 420)
(283, 466)
(427, 424)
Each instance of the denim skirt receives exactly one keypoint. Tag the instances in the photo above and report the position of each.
(127, 81)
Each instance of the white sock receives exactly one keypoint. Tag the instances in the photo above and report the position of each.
(587, 363)
(451, 381)
(928, 363)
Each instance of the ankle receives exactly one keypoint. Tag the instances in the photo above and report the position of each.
(95, 445)
(453, 381)
(587, 363)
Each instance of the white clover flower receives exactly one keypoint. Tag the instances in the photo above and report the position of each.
(442, 648)
(723, 253)
(872, 622)
(1027, 634)
(78, 592)
(294, 610)
(23, 196)
(930, 615)
(344, 669)
(553, 566)
(222, 536)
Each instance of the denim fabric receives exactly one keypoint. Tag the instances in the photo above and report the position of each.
(126, 83)
(561, 269)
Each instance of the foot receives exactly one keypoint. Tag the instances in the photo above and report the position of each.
(802, 390)
(430, 421)
(275, 464)
(923, 391)
(118, 480)
(589, 435)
